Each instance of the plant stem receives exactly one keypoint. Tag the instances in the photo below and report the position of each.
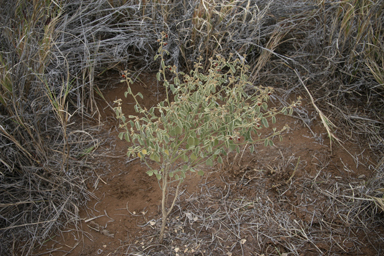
(163, 202)
(164, 212)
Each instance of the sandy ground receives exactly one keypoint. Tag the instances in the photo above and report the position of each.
(280, 200)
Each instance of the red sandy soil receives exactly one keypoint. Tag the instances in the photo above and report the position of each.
(290, 179)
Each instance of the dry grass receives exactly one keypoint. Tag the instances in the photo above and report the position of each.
(52, 55)
(42, 176)
(324, 220)
(335, 47)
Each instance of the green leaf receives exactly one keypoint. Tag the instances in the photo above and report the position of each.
(270, 143)
(243, 77)
(176, 80)
(138, 126)
(158, 176)
(157, 147)
(191, 141)
(150, 173)
(265, 106)
(232, 147)
(126, 137)
(184, 157)
(264, 122)
(202, 77)
(140, 95)
(193, 157)
(201, 173)
(178, 130)
(232, 68)
(171, 174)
(209, 162)
(247, 135)
(220, 160)
(121, 135)
(266, 142)
(273, 119)
(172, 132)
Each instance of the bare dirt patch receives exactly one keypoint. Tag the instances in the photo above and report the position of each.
(295, 198)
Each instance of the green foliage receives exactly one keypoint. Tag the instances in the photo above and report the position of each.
(208, 115)
(202, 118)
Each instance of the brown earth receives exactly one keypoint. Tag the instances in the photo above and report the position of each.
(289, 199)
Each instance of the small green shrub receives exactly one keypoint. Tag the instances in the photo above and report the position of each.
(202, 118)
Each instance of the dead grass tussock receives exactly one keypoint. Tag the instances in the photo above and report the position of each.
(43, 154)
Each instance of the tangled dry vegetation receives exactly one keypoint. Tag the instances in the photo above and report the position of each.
(222, 222)
(53, 53)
